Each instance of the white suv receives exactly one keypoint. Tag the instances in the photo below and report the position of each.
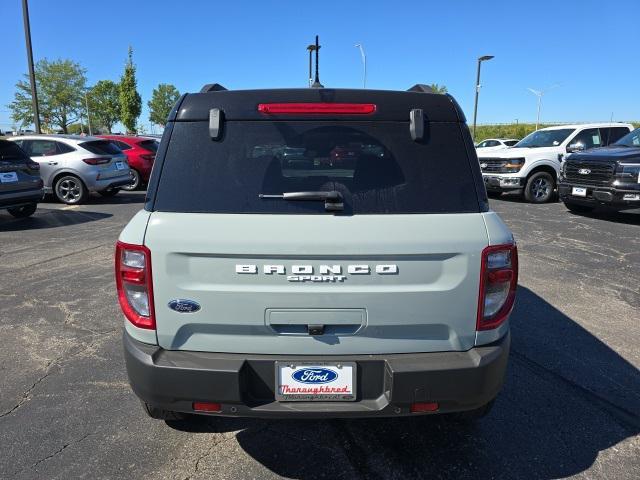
(491, 144)
(532, 166)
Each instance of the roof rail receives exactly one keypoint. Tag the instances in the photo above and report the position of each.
(421, 88)
(212, 87)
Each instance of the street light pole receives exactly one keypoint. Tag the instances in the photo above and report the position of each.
(32, 75)
(311, 49)
(316, 83)
(475, 107)
(364, 65)
(86, 102)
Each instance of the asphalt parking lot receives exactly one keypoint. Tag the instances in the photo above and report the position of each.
(570, 405)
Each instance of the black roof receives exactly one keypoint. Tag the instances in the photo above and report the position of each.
(390, 105)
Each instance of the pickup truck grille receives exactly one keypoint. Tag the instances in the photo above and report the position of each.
(492, 165)
(589, 173)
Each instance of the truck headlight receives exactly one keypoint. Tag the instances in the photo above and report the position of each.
(514, 165)
(628, 172)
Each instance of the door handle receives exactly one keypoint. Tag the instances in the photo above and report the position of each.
(52, 163)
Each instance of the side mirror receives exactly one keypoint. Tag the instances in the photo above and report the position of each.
(576, 147)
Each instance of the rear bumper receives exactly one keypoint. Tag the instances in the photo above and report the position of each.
(144, 169)
(386, 384)
(24, 197)
(606, 196)
(113, 182)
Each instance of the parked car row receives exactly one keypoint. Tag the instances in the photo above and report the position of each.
(534, 166)
(70, 167)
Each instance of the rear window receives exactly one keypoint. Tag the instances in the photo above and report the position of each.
(376, 167)
(10, 151)
(101, 147)
(150, 145)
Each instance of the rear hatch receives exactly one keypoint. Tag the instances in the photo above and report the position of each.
(395, 270)
(112, 162)
(16, 173)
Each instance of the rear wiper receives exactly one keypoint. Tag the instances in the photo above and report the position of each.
(332, 199)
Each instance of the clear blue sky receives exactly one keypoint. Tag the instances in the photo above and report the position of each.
(589, 47)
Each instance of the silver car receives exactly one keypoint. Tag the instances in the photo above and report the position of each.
(72, 166)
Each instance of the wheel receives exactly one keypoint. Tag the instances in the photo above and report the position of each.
(493, 194)
(472, 415)
(69, 189)
(136, 181)
(577, 208)
(160, 414)
(23, 211)
(112, 192)
(540, 188)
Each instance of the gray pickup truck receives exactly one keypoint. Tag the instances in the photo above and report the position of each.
(316, 253)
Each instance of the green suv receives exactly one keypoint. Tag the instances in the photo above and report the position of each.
(316, 253)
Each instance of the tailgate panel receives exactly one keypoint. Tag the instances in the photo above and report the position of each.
(423, 299)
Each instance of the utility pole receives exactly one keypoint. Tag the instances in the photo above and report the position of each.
(32, 75)
(475, 107)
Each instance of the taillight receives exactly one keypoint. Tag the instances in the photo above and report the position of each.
(96, 160)
(498, 282)
(134, 284)
(318, 108)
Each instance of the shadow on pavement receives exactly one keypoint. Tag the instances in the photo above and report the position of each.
(44, 218)
(567, 397)
(123, 197)
(628, 217)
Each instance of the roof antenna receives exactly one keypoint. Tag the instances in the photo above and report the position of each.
(316, 83)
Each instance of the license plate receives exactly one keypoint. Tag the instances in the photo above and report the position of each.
(8, 177)
(120, 166)
(579, 192)
(313, 382)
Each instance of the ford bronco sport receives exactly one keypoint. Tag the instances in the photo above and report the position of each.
(316, 253)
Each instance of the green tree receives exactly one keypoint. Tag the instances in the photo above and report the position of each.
(61, 86)
(104, 104)
(163, 99)
(130, 101)
(77, 128)
(438, 88)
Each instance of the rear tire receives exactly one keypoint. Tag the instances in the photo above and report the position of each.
(540, 188)
(112, 192)
(577, 208)
(136, 181)
(23, 211)
(69, 189)
(160, 414)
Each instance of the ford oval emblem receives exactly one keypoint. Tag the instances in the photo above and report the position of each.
(184, 306)
(314, 375)
(584, 171)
